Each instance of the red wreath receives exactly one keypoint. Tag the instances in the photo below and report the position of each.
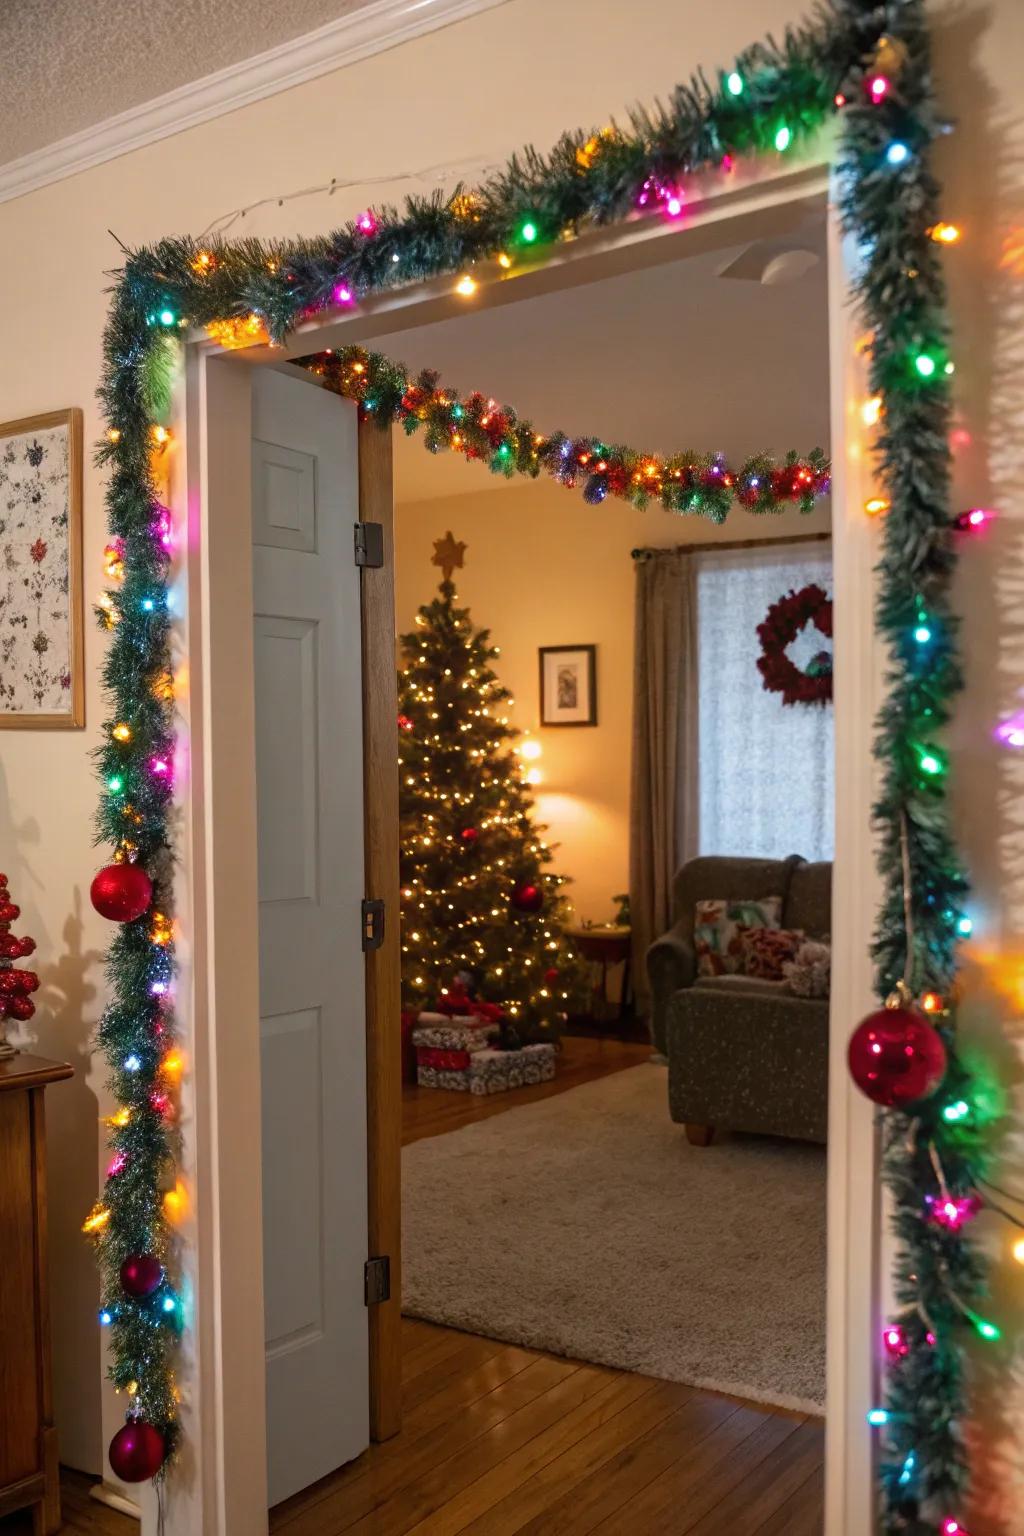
(783, 622)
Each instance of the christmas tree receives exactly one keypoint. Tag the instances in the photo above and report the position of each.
(480, 909)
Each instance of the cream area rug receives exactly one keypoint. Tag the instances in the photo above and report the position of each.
(587, 1225)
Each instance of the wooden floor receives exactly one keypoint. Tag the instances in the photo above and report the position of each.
(500, 1440)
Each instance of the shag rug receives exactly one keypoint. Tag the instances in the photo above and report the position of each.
(587, 1225)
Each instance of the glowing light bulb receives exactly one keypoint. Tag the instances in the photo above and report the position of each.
(922, 634)
(113, 435)
(530, 749)
(783, 139)
(366, 223)
(734, 83)
(504, 260)
(878, 88)
(876, 505)
(96, 1219)
(930, 763)
(115, 784)
(958, 1111)
(674, 205)
(1018, 1250)
(871, 411)
(1011, 732)
(343, 295)
(465, 286)
(897, 153)
(106, 1318)
(877, 1417)
(945, 234)
(528, 232)
(964, 927)
(168, 1303)
(132, 1063)
(988, 1331)
(160, 435)
(534, 776)
(122, 732)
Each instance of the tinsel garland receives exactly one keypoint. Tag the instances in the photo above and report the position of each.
(776, 97)
(479, 428)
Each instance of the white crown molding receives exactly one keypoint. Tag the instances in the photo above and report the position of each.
(373, 29)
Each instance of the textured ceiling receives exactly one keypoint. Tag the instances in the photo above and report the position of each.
(55, 55)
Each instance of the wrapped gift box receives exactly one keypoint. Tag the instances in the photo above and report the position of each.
(485, 1070)
(435, 1032)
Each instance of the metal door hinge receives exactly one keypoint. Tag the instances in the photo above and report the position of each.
(373, 924)
(369, 546)
(377, 1281)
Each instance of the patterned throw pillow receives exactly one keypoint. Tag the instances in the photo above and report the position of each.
(719, 927)
(809, 973)
(766, 951)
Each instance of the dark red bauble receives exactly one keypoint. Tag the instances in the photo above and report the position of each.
(121, 892)
(20, 1007)
(141, 1274)
(527, 897)
(469, 834)
(551, 976)
(137, 1452)
(896, 1057)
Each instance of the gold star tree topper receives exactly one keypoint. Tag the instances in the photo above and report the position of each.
(448, 554)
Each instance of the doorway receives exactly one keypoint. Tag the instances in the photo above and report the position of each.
(843, 1122)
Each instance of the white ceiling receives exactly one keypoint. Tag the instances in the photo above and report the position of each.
(55, 55)
(661, 360)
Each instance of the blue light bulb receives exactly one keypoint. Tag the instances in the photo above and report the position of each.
(147, 605)
(922, 634)
(735, 83)
(106, 1318)
(897, 153)
(169, 1303)
(964, 927)
(167, 317)
(877, 1417)
(132, 1063)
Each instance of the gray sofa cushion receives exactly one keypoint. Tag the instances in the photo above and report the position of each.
(749, 986)
(808, 904)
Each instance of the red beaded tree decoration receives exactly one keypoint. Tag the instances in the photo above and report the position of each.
(15, 983)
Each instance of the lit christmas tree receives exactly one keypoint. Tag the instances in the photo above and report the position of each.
(479, 906)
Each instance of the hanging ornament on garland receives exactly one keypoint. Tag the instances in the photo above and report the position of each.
(121, 892)
(527, 897)
(895, 1056)
(137, 1452)
(782, 623)
(141, 1274)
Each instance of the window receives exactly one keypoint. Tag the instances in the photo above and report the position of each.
(765, 769)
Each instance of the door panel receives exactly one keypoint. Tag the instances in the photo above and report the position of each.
(312, 988)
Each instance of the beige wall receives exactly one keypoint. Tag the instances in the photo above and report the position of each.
(543, 568)
(523, 71)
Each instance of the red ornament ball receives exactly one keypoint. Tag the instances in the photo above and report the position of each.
(137, 1452)
(121, 892)
(551, 976)
(141, 1274)
(896, 1057)
(469, 834)
(527, 897)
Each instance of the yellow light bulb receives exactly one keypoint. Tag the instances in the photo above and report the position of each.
(871, 411)
(530, 749)
(945, 234)
(466, 286)
(1018, 1250)
(160, 435)
(176, 1203)
(876, 505)
(96, 1219)
(504, 260)
(122, 732)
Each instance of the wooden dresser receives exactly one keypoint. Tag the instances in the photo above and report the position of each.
(28, 1440)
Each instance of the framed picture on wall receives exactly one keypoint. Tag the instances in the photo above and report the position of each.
(568, 685)
(42, 683)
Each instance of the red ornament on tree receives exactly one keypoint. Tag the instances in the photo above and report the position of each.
(550, 976)
(121, 892)
(527, 897)
(469, 834)
(141, 1274)
(137, 1452)
(896, 1057)
(15, 984)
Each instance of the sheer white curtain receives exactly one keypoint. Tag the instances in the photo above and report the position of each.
(766, 780)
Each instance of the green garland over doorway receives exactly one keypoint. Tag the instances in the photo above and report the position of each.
(868, 62)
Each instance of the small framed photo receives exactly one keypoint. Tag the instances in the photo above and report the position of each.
(568, 685)
(42, 682)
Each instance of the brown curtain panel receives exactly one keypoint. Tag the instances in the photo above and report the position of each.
(663, 786)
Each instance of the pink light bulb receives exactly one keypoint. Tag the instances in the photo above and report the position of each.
(879, 87)
(366, 222)
(674, 205)
(342, 295)
(952, 1527)
(1011, 732)
(727, 162)
(159, 766)
(117, 1165)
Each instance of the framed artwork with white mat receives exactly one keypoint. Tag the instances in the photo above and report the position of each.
(568, 685)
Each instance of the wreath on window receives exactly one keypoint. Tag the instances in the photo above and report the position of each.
(782, 623)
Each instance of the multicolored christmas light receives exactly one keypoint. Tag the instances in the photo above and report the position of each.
(771, 101)
(478, 428)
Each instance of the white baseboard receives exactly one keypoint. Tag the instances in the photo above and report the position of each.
(114, 1500)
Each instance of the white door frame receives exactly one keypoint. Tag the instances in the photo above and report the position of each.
(220, 1486)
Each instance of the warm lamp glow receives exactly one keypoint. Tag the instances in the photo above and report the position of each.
(466, 286)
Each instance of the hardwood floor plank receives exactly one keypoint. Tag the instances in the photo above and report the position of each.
(756, 1497)
(702, 1475)
(427, 1495)
(562, 1474)
(601, 1496)
(801, 1514)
